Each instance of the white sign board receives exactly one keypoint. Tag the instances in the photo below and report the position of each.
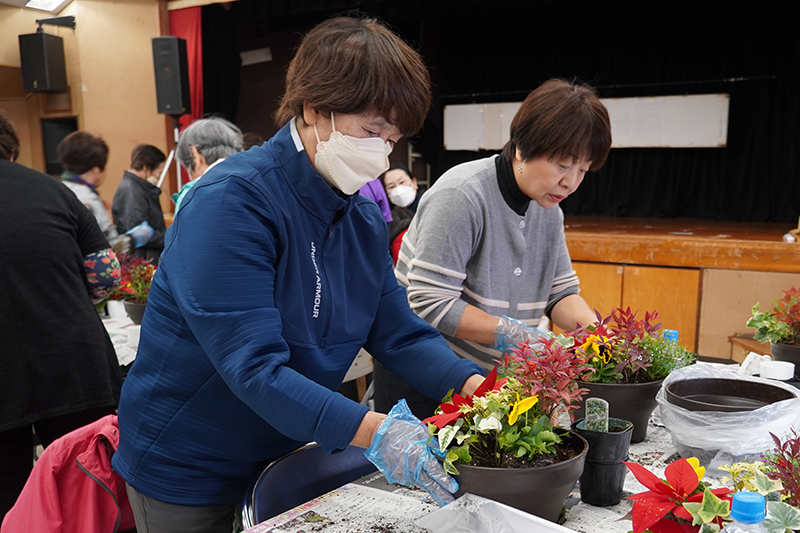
(689, 121)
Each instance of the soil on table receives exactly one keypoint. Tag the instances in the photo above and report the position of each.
(564, 451)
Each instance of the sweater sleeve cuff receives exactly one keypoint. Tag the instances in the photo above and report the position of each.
(339, 422)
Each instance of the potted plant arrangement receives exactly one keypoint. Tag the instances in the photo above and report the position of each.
(609, 440)
(684, 503)
(627, 361)
(503, 442)
(780, 327)
(134, 289)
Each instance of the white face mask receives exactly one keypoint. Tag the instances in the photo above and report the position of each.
(348, 163)
(402, 195)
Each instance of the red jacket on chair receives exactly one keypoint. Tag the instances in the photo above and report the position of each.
(72, 487)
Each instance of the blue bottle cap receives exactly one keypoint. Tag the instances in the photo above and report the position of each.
(671, 334)
(748, 507)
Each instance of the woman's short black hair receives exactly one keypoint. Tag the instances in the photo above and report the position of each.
(80, 152)
(353, 65)
(146, 156)
(561, 119)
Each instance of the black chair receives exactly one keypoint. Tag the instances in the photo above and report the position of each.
(300, 476)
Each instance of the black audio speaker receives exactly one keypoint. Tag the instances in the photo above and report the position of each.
(42, 60)
(172, 75)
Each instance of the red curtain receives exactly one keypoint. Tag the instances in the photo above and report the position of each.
(187, 24)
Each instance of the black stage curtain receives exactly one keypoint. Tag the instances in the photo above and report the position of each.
(492, 51)
(633, 48)
(221, 63)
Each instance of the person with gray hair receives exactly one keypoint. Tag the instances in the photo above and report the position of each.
(203, 144)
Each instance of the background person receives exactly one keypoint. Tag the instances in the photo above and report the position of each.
(401, 187)
(404, 194)
(250, 139)
(136, 200)
(204, 144)
(273, 276)
(58, 368)
(485, 256)
(83, 159)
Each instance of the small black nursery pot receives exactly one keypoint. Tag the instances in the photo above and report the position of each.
(604, 473)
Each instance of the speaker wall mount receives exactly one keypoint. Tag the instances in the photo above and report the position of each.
(68, 22)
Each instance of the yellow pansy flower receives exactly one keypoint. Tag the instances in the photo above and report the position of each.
(699, 470)
(592, 347)
(520, 407)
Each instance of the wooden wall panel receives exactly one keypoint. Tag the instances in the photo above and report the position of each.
(727, 299)
(601, 285)
(673, 292)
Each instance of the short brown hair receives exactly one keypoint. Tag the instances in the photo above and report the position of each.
(80, 152)
(354, 65)
(146, 156)
(9, 142)
(561, 119)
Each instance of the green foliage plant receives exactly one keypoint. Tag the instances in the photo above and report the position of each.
(623, 348)
(781, 323)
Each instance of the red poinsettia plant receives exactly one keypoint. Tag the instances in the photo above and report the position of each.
(682, 503)
(512, 420)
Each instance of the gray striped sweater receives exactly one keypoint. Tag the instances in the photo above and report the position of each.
(465, 246)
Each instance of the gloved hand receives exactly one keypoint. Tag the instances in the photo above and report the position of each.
(510, 331)
(400, 452)
(141, 234)
(136, 237)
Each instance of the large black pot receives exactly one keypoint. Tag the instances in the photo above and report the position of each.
(627, 401)
(604, 473)
(787, 352)
(540, 491)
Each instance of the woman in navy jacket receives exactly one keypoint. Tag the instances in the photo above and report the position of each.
(273, 276)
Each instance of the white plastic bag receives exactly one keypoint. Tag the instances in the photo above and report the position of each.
(737, 435)
(475, 514)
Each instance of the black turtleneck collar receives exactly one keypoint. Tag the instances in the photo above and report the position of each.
(516, 199)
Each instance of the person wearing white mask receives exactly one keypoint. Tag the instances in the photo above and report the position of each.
(401, 187)
(273, 276)
(404, 194)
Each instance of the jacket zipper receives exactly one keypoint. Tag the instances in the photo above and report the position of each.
(108, 490)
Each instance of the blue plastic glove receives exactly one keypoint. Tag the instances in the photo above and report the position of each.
(510, 332)
(141, 234)
(400, 451)
(136, 237)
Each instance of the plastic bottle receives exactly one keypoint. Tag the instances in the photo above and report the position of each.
(671, 334)
(748, 512)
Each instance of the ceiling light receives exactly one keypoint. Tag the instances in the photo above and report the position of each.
(53, 6)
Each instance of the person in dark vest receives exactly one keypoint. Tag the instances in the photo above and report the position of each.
(137, 200)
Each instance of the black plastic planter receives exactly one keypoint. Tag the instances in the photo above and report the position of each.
(604, 473)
